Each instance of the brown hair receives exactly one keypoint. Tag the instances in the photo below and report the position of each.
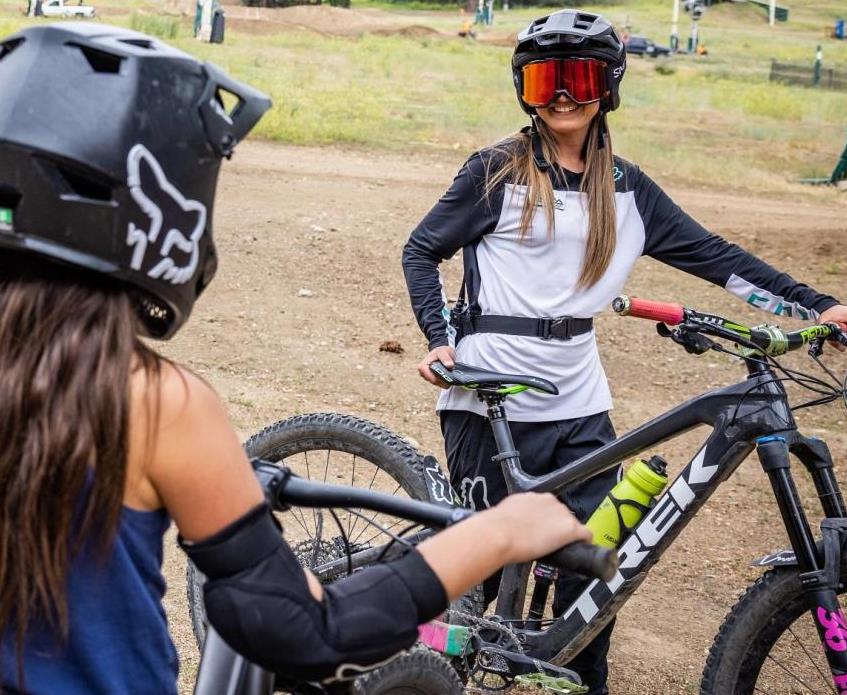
(67, 347)
(517, 164)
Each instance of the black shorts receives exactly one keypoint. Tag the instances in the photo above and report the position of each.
(543, 447)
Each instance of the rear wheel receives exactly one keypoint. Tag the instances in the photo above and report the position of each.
(768, 643)
(339, 449)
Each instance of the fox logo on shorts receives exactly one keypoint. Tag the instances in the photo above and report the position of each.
(170, 245)
(474, 493)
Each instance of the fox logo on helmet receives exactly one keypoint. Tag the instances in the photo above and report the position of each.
(175, 223)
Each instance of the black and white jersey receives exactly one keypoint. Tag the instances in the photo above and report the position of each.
(536, 276)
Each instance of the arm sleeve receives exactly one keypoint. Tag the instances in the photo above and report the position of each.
(258, 600)
(673, 237)
(462, 215)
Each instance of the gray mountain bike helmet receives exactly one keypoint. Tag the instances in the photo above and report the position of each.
(571, 34)
(110, 147)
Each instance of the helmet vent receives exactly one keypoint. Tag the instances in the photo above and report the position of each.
(100, 61)
(86, 187)
(584, 21)
(156, 316)
(228, 101)
(8, 46)
(139, 43)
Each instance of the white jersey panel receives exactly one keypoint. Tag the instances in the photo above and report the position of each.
(537, 277)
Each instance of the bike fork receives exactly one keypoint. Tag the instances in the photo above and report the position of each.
(819, 575)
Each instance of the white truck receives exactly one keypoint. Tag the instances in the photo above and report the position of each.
(59, 8)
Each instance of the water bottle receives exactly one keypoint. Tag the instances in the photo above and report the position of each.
(628, 501)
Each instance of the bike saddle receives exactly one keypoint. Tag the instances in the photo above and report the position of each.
(476, 378)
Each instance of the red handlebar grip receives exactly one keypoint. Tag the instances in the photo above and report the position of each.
(671, 314)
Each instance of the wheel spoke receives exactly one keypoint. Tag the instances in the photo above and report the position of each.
(376, 471)
(382, 530)
(309, 477)
(301, 523)
(791, 673)
(811, 659)
(394, 492)
(352, 483)
(368, 522)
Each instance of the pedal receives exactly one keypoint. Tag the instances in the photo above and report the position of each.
(552, 684)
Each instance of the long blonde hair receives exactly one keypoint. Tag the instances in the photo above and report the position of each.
(516, 163)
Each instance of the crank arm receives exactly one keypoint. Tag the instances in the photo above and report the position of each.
(492, 658)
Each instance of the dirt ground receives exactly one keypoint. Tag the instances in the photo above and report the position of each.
(310, 284)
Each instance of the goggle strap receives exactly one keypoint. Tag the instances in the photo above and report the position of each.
(601, 135)
(537, 150)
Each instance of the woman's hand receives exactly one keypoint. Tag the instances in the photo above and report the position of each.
(535, 524)
(444, 354)
(835, 314)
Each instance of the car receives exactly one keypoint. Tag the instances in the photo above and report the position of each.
(59, 8)
(640, 45)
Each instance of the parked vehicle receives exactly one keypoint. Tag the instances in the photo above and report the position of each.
(59, 8)
(639, 45)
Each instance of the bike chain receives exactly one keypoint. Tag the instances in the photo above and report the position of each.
(476, 625)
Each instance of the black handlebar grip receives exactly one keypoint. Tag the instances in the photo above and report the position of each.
(586, 559)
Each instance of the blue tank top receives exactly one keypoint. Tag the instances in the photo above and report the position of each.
(118, 642)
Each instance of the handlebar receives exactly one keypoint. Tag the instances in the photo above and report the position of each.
(770, 340)
(284, 489)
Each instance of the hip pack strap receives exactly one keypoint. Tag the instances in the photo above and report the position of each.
(561, 328)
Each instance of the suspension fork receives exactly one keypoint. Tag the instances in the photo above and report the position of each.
(814, 455)
(819, 574)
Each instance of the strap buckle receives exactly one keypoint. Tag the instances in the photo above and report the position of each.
(560, 328)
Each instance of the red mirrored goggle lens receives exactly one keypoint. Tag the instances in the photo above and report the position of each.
(583, 80)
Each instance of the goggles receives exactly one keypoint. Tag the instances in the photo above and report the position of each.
(583, 80)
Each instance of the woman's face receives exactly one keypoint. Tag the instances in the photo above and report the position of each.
(567, 118)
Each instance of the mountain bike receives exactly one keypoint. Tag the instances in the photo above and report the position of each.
(769, 640)
(419, 671)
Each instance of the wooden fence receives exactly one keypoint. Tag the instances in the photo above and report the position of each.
(804, 75)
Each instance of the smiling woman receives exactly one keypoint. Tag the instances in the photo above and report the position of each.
(551, 224)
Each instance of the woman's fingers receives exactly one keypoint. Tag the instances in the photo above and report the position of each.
(444, 354)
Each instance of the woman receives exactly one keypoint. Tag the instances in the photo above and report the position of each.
(550, 225)
(105, 238)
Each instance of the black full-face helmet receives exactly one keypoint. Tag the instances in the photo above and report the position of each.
(110, 146)
(571, 34)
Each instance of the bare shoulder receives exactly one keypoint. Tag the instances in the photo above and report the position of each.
(173, 396)
(193, 457)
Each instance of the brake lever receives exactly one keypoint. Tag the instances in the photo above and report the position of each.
(841, 334)
(816, 347)
(695, 343)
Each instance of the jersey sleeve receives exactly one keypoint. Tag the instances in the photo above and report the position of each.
(675, 238)
(462, 215)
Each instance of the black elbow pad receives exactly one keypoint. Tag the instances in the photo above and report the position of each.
(258, 600)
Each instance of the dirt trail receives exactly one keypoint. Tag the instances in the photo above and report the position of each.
(333, 222)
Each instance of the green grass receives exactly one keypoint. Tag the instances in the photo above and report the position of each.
(714, 120)
(167, 28)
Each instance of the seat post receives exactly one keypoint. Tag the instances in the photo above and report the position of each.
(507, 456)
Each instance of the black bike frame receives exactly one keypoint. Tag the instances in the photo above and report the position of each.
(751, 414)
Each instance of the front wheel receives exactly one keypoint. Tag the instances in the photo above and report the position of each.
(331, 448)
(768, 643)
